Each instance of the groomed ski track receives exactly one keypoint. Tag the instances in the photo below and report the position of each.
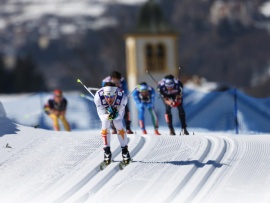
(64, 167)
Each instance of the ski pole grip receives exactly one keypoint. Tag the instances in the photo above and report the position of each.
(79, 81)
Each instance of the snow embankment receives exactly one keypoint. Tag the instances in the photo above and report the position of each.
(2, 110)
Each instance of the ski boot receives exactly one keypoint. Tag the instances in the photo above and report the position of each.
(144, 132)
(184, 132)
(169, 121)
(107, 155)
(129, 131)
(156, 132)
(172, 131)
(125, 155)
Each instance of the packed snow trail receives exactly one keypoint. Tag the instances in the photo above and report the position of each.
(52, 167)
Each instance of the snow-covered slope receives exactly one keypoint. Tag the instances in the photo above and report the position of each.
(39, 165)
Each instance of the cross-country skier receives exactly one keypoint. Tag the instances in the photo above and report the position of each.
(144, 97)
(111, 102)
(56, 108)
(171, 90)
(121, 83)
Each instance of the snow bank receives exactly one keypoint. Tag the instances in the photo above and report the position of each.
(2, 111)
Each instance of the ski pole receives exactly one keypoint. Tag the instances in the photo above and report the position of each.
(32, 114)
(179, 72)
(132, 90)
(162, 99)
(151, 77)
(93, 88)
(87, 97)
(79, 81)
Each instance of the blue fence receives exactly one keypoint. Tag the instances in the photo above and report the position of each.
(229, 110)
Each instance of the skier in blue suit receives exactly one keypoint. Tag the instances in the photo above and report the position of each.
(144, 97)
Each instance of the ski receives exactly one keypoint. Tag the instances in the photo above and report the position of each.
(103, 165)
(122, 165)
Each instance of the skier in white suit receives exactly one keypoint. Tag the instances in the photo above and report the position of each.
(110, 102)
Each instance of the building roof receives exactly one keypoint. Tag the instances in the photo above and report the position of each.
(151, 20)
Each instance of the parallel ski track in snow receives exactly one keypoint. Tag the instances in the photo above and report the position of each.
(188, 169)
(193, 160)
(217, 152)
(250, 184)
(95, 178)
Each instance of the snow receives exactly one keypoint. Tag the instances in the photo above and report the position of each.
(203, 86)
(39, 165)
(265, 9)
(2, 111)
(24, 10)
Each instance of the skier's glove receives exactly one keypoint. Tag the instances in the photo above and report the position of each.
(175, 103)
(113, 115)
(47, 110)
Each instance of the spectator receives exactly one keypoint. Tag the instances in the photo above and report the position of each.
(56, 108)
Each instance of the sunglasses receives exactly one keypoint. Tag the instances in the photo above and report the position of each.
(109, 96)
(169, 85)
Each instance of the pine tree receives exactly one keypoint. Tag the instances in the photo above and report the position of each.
(25, 77)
